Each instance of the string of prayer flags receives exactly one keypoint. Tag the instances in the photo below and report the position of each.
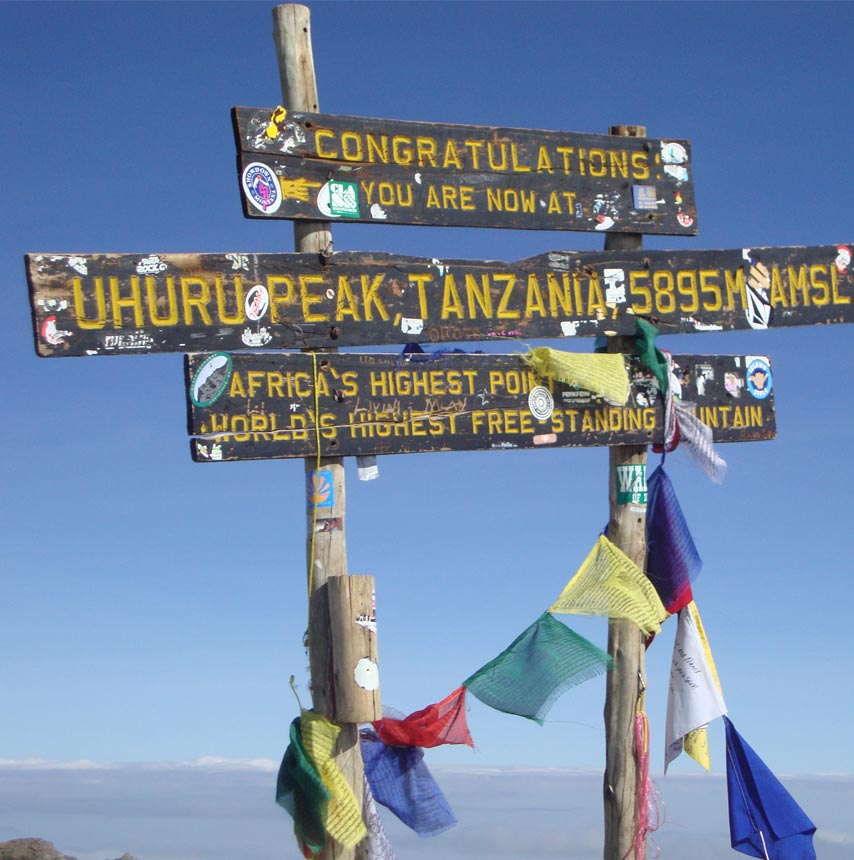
(672, 560)
(344, 817)
(440, 723)
(301, 792)
(377, 845)
(610, 583)
(764, 819)
(538, 666)
(399, 780)
(604, 375)
(695, 697)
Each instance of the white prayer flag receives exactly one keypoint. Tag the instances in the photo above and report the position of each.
(694, 699)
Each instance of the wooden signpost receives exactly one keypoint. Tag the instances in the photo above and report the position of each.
(250, 407)
(300, 165)
(116, 304)
(316, 169)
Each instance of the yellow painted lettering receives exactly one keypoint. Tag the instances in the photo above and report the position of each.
(100, 318)
(686, 284)
(236, 388)
(544, 160)
(401, 149)
(452, 156)
(377, 148)
(619, 164)
(222, 311)
(817, 273)
(636, 288)
(534, 302)
(154, 302)
(426, 148)
(310, 299)
(640, 165)
(281, 291)
(345, 304)
(797, 281)
(351, 146)
(504, 312)
(478, 296)
(517, 166)
(710, 286)
(560, 300)
(200, 301)
(451, 302)
(597, 162)
(321, 135)
(370, 299)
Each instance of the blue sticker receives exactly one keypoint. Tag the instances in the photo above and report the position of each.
(320, 489)
(645, 197)
(758, 378)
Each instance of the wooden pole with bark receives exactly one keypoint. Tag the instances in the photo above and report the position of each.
(325, 536)
(626, 681)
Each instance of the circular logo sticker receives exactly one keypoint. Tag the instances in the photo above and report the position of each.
(256, 303)
(262, 187)
(211, 379)
(758, 378)
(541, 403)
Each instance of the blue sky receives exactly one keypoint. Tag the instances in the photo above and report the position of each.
(153, 608)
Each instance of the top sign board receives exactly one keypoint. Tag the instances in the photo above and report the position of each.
(343, 168)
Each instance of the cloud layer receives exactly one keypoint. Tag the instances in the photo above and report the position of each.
(219, 809)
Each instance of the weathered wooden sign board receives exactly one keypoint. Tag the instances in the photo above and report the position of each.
(113, 304)
(344, 168)
(260, 406)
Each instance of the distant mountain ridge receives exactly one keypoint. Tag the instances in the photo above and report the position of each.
(38, 849)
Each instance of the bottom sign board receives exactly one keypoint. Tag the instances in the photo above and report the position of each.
(263, 406)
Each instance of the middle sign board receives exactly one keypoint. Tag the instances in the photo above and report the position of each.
(119, 304)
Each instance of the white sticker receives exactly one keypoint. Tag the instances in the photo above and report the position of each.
(541, 403)
(411, 326)
(261, 187)
(366, 674)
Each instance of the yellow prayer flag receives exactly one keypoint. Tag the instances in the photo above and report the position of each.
(603, 374)
(344, 817)
(696, 745)
(610, 583)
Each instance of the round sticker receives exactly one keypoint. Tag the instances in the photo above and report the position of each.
(758, 378)
(256, 303)
(541, 403)
(211, 379)
(262, 187)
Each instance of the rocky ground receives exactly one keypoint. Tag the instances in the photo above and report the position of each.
(37, 849)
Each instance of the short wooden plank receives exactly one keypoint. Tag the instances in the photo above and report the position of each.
(115, 304)
(247, 407)
(344, 168)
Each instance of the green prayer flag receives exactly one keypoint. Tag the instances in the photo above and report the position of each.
(652, 357)
(529, 676)
(301, 792)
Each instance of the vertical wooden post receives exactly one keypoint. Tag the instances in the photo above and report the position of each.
(325, 544)
(626, 681)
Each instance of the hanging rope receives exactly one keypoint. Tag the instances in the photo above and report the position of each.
(311, 559)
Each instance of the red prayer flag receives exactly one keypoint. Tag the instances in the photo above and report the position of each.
(441, 723)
